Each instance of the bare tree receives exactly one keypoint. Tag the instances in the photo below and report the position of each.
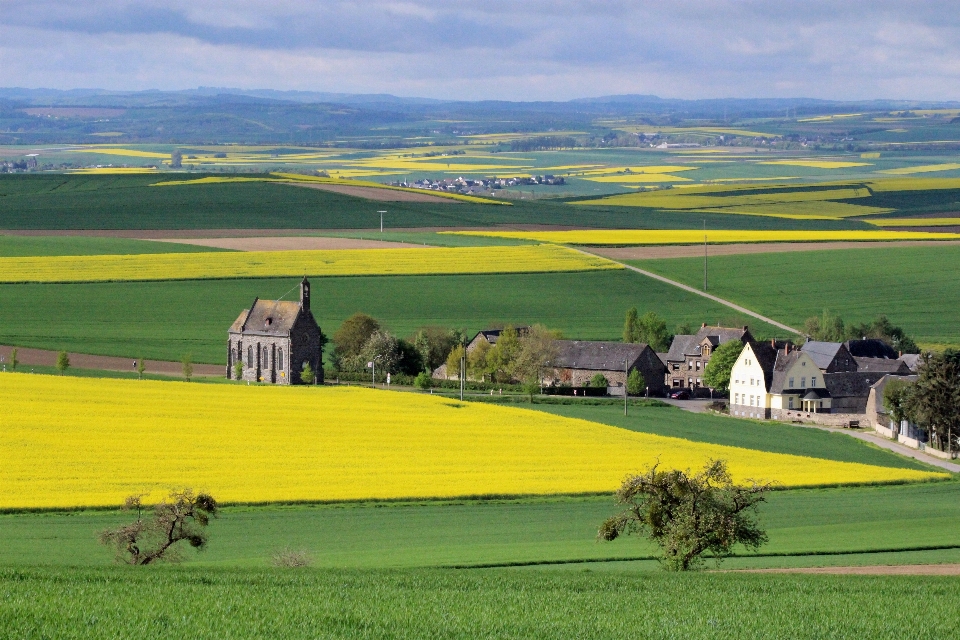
(154, 538)
(688, 515)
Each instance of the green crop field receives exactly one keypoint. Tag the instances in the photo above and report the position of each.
(98, 603)
(129, 202)
(17, 246)
(918, 288)
(164, 320)
(827, 523)
(749, 434)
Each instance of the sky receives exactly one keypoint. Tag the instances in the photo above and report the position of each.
(491, 49)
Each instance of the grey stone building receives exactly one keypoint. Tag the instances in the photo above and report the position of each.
(577, 361)
(274, 339)
(689, 355)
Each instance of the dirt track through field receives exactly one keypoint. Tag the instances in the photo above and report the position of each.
(44, 358)
(696, 250)
(295, 243)
(374, 193)
(875, 570)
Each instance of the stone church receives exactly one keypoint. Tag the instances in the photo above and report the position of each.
(274, 339)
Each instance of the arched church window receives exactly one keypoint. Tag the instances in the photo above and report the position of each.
(280, 359)
(249, 357)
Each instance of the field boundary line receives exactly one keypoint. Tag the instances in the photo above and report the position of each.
(703, 294)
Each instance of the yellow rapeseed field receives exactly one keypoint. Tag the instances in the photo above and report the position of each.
(68, 442)
(117, 151)
(264, 264)
(926, 168)
(915, 222)
(818, 164)
(693, 236)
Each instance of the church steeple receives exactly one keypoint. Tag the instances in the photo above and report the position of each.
(305, 294)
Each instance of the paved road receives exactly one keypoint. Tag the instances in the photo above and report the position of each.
(41, 357)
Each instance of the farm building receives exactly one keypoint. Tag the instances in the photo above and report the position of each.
(689, 354)
(578, 361)
(274, 339)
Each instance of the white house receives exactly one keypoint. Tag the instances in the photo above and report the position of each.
(750, 381)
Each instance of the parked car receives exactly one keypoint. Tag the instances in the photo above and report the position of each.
(682, 394)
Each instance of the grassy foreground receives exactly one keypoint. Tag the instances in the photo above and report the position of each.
(918, 288)
(97, 603)
(151, 319)
(859, 525)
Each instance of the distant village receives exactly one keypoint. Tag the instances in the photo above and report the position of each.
(468, 186)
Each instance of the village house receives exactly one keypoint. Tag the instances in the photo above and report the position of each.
(274, 339)
(689, 354)
(578, 361)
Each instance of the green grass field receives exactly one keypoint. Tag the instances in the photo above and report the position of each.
(98, 603)
(749, 434)
(800, 523)
(58, 201)
(918, 288)
(18, 246)
(164, 320)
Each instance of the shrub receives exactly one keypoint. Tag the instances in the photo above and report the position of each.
(423, 381)
(599, 381)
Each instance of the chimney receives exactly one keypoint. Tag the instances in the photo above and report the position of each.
(305, 294)
(773, 342)
(786, 348)
(703, 326)
(745, 327)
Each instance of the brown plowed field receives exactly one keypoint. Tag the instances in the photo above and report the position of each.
(41, 357)
(295, 243)
(696, 250)
(875, 570)
(374, 193)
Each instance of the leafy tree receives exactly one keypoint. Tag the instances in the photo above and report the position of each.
(538, 346)
(883, 329)
(503, 355)
(63, 362)
(896, 396)
(154, 539)
(383, 348)
(934, 401)
(423, 381)
(453, 362)
(13, 359)
(186, 365)
(599, 381)
(478, 366)
(531, 386)
(142, 366)
(825, 328)
(683, 329)
(307, 374)
(176, 159)
(652, 330)
(350, 339)
(688, 516)
(409, 360)
(636, 385)
(238, 370)
(434, 345)
(717, 373)
(631, 326)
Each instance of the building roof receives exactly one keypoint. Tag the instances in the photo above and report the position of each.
(596, 356)
(766, 356)
(870, 348)
(492, 335)
(882, 365)
(849, 384)
(689, 345)
(268, 317)
(911, 360)
(822, 353)
(785, 360)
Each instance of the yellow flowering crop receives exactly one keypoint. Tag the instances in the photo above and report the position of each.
(86, 442)
(915, 222)
(693, 236)
(263, 264)
(117, 151)
(926, 168)
(818, 164)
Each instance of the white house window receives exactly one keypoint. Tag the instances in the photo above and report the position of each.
(803, 382)
(736, 398)
(791, 383)
(751, 401)
(790, 402)
(813, 381)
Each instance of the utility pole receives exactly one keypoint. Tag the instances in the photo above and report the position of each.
(704, 255)
(381, 220)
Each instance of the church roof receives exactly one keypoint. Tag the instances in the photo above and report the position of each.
(268, 317)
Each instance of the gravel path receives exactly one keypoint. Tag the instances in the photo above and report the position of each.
(42, 357)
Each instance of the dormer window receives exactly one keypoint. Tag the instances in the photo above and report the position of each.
(269, 321)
